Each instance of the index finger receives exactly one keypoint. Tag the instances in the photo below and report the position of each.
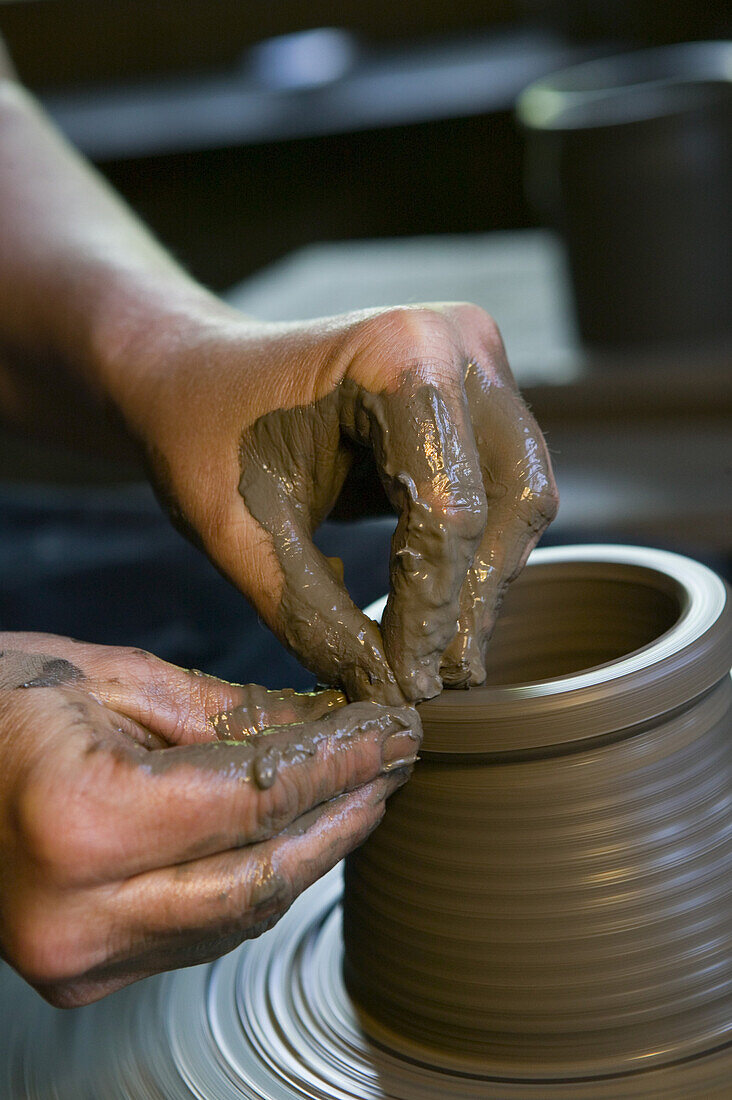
(184, 802)
(293, 465)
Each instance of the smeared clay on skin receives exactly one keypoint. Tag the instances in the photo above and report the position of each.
(441, 506)
(260, 759)
(31, 670)
(262, 709)
(301, 824)
(269, 889)
(516, 472)
(293, 464)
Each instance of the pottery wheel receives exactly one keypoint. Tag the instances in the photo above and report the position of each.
(274, 1020)
(270, 1021)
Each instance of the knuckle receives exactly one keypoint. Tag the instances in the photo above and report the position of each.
(461, 517)
(543, 506)
(268, 889)
(42, 946)
(413, 321)
(59, 835)
(264, 890)
(481, 327)
(349, 763)
(414, 334)
(278, 806)
(538, 509)
(489, 332)
(468, 522)
(548, 504)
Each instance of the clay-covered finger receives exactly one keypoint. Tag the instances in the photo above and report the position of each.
(156, 702)
(187, 705)
(422, 439)
(197, 911)
(179, 803)
(251, 886)
(293, 465)
(171, 703)
(320, 624)
(261, 708)
(522, 501)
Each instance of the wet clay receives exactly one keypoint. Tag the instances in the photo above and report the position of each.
(261, 758)
(293, 465)
(515, 468)
(262, 709)
(398, 775)
(549, 897)
(30, 670)
(543, 915)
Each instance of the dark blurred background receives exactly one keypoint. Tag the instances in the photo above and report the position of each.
(310, 158)
(402, 125)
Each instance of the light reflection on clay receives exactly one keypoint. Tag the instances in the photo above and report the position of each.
(470, 479)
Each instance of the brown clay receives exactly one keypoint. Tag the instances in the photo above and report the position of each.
(284, 458)
(19, 669)
(549, 897)
(545, 913)
(467, 516)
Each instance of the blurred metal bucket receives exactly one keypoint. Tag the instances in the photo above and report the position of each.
(630, 157)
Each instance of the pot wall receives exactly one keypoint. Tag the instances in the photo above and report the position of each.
(562, 910)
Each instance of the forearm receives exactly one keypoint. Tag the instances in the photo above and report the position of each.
(80, 276)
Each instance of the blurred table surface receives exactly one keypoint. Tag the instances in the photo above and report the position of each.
(642, 448)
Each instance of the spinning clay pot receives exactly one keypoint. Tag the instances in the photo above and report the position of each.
(544, 914)
(550, 897)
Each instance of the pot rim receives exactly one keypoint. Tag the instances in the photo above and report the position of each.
(615, 698)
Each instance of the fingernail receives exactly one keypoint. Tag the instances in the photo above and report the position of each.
(399, 748)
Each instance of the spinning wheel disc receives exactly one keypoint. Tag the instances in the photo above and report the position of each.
(271, 1021)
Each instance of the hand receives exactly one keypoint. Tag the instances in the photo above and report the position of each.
(254, 431)
(153, 818)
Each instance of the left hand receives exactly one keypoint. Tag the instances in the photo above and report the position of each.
(152, 817)
(254, 432)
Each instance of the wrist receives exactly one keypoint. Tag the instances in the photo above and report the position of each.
(139, 324)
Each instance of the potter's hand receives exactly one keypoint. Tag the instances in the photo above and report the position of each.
(94, 309)
(255, 430)
(136, 836)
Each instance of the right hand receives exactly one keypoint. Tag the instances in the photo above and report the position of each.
(256, 432)
(153, 818)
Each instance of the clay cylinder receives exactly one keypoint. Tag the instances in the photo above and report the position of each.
(551, 894)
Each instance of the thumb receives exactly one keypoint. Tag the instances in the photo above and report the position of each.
(314, 616)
